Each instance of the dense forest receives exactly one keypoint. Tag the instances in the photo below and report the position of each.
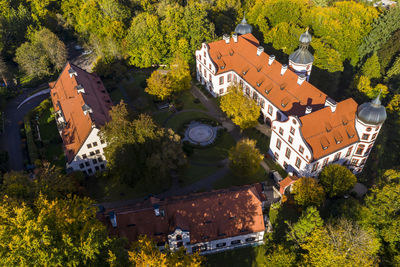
(49, 220)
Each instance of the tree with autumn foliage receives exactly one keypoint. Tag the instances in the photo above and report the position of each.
(159, 85)
(242, 110)
(307, 192)
(138, 150)
(336, 179)
(144, 252)
(60, 232)
(245, 158)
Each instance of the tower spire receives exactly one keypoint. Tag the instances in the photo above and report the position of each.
(377, 100)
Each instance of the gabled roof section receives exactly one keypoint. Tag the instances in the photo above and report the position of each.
(281, 90)
(326, 131)
(73, 103)
(207, 216)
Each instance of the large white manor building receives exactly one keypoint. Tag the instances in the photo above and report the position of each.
(81, 105)
(309, 129)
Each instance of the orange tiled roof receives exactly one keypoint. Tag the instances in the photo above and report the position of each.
(207, 216)
(284, 91)
(65, 96)
(330, 130)
(286, 182)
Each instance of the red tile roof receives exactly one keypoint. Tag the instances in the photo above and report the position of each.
(207, 216)
(326, 131)
(64, 95)
(289, 180)
(284, 91)
(287, 95)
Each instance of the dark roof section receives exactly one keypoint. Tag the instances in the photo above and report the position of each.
(243, 27)
(372, 112)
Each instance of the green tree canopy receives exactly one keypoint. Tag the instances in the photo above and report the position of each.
(243, 111)
(280, 257)
(343, 243)
(364, 86)
(382, 213)
(42, 55)
(62, 232)
(245, 158)
(159, 85)
(336, 179)
(307, 223)
(371, 67)
(140, 151)
(308, 192)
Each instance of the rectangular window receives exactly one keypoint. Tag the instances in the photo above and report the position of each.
(94, 161)
(97, 151)
(200, 57)
(89, 145)
(209, 66)
(205, 54)
(241, 83)
(87, 163)
(280, 131)
(205, 74)
(262, 102)
(221, 91)
(349, 151)
(250, 239)
(337, 156)
(287, 154)
(278, 144)
(360, 149)
(84, 156)
(81, 166)
(221, 80)
(102, 141)
(365, 137)
(269, 109)
(247, 91)
(301, 149)
(235, 78)
(315, 167)
(354, 162)
(92, 153)
(276, 156)
(229, 77)
(90, 171)
(97, 168)
(100, 159)
(292, 130)
(235, 242)
(290, 139)
(220, 245)
(205, 62)
(285, 165)
(199, 67)
(325, 162)
(373, 136)
(209, 77)
(298, 163)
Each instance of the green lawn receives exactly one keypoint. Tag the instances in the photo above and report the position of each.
(215, 153)
(193, 173)
(262, 139)
(52, 144)
(243, 257)
(161, 116)
(233, 180)
(188, 101)
(179, 119)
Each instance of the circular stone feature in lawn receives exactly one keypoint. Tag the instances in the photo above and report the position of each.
(200, 134)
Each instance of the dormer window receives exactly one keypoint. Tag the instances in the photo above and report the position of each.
(79, 88)
(86, 109)
(72, 72)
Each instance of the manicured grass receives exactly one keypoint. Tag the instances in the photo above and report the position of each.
(262, 139)
(215, 153)
(249, 256)
(232, 180)
(193, 173)
(188, 101)
(179, 119)
(161, 116)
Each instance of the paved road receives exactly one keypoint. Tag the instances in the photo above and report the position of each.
(10, 139)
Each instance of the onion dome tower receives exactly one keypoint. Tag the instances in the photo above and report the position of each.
(300, 61)
(369, 119)
(243, 27)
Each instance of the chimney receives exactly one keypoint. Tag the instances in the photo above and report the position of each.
(308, 110)
(284, 69)
(113, 219)
(271, 59)
(260, 49)
(301, 78)
(329, 102)
(226, 38)
(235, 37)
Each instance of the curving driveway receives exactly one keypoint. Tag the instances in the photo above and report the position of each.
(10, 139)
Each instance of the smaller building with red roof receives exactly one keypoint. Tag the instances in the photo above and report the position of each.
(81, 105)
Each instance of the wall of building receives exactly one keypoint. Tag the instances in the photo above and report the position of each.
(90, 157)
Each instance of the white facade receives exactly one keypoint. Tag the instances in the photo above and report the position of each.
(301, 68)
(181, 238)
(90, 157)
